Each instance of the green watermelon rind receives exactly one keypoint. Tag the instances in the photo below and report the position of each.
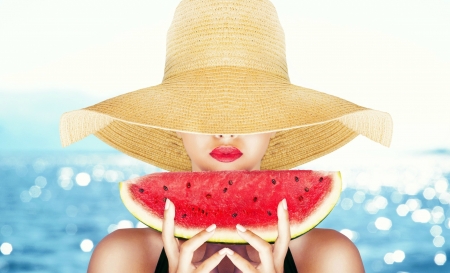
(232, 238)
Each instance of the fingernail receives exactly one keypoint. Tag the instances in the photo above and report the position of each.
(226, 251)
(166, 206)
(284, 203)
(211, 228)
(240, 228)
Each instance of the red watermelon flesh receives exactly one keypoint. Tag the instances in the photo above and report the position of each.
(227, 198)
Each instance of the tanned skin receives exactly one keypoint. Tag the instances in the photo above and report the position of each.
(138, 250)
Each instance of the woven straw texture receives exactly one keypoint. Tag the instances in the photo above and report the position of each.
(226, 73)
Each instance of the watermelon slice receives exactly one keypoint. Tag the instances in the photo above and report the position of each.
(227, 198)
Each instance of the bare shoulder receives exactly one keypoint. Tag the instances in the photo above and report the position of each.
(127, 250)
(325, 250)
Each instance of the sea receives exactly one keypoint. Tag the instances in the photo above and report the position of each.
(56, 207)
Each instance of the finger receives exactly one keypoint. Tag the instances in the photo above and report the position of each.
(264, 248)
(209, 264)
(169, 241)
(241, 263)
(284, 235)
(187, 248)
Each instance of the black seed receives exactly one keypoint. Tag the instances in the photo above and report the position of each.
(165, 188)
(230, 182)
(270, 213)
(208, 196)
(184, 215)
(225, 190)
(141, 190)
(188, 185)
(234, 215)
(274, 181)
(300, 198)
(255, 199)
(321, 179)
(306, 189)
(296, 179)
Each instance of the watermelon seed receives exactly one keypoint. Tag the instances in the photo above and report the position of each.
(141, 190)
(321, 179)
(165, 188)
(208, 196)
(273, 181)
(270, 213)
(234, 215)
(225, 190)
(188, 185)
(296, 179)
(164, 199)
(306, 189)
(184, 215)
(230, 182)
(300, 198)
(255, 199)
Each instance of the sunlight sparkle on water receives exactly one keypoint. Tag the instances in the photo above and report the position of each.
(414, 204)
(83, 179)
(440, 258)
(438, 215)
(394, 257)
(359, 197)
(86, 245)
(438, 241)
(429, 193)
(6, 248)
(441, 185)
(421, 216)
(352, 235)
(34, 191)
(435, 230)
(40, 181)
(383, 223)
(346, 203)
(402, 210)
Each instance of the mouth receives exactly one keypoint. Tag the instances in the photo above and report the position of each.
(226, 154)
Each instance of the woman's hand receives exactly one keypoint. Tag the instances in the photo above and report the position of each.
(180, 256)
(272, 257)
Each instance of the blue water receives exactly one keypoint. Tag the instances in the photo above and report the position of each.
(396, 211)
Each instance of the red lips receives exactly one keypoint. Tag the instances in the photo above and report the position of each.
(226, 153)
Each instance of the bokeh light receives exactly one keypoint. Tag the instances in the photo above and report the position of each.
(71, 211)
(435, 230)
(402, 210)
(438, 241)
(346, 203)
(34, 191)
(83, 179)
(352, 235)
(6, 248)
(383, 223)
(86, 245)
(40, 181)
(421, 216)
(440, 258)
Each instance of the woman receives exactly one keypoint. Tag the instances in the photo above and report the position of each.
(225, 87)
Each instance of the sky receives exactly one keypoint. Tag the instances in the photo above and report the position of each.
(60, 55)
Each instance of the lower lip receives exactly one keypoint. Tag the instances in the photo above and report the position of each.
(226, 157)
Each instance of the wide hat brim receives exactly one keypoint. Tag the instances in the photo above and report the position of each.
(226, 100)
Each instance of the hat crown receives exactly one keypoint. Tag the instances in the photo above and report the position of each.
(236, 33)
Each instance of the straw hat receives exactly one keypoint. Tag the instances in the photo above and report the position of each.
(226, 73)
